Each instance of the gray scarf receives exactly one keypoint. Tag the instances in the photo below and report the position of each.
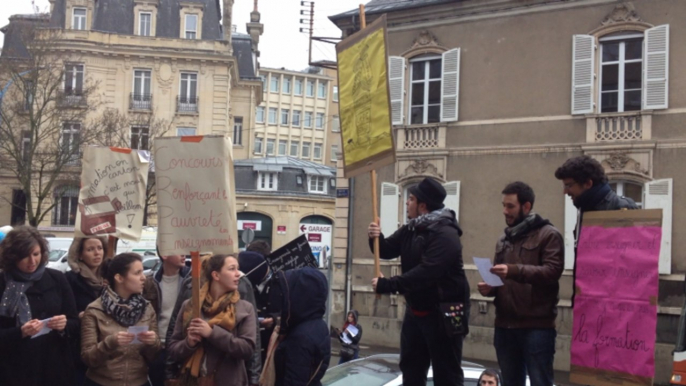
(522, 228)
(424, 220)
(125, 312)
(15, 304)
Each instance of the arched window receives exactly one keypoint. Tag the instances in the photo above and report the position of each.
(261, 224)
(629, 189)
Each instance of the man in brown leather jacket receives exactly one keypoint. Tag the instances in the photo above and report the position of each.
(529, 258)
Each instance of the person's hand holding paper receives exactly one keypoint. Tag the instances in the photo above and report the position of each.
(484, 265)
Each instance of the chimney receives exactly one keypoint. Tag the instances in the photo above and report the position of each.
(255, 29)
(226, 20)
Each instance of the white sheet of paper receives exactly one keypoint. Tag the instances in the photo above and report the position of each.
(353, 330)
(484, 265)
(45, 329)
(135, 330)
(345, 339)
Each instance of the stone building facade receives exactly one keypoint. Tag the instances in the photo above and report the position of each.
(496, 91)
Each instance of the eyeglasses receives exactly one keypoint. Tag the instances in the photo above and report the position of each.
(569, 185)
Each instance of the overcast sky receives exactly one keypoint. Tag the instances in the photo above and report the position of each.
(281, 45)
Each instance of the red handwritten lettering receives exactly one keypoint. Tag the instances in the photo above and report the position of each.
(187, 195)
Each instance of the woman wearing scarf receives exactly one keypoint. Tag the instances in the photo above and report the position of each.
(85, 257)
(350, 343)
(37, 314)
(213, 348)
(115, 356)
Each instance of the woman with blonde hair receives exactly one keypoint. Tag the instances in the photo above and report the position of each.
(214, 347)
(114, 355)
(85, 258)
(37, 314)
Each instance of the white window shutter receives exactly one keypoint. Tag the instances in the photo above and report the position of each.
(396, 83)
(450, 85)
(583, 77)
(389, 208)
(656, 68)
(658, 195)
(571, 217)
(452, 198)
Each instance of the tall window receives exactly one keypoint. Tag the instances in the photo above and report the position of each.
(296, 117)
(141, 98)
(29, 92)
(79, 19)
(284, 116)
(321, 89)
(259, 114)
(71, 140)
(317, 184)
(334, 152)
(73, 79)
(267, 181)
(336, 124)
(320, 120)
(294, 148)
(185, 131)
(621, 73)
(425, 90)
(335, 93)
(188, 97)
(26, 145)
(306, 150)
(140, 137)
(67, 199)
(264, 83)
(298, 89)
(238, 130)
(282, 146)
(272, 115)
(191, 26)
(308, 119)
(144, 23)
(258, 145)
(274, 83)
(18, 216)
(310, 88)
(317, 151)
(286, 87)
(271, 143)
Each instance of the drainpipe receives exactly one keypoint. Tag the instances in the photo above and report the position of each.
(349, 257)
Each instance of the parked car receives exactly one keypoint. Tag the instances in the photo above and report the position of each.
(57, 259)
(384, 370)
(151, 263)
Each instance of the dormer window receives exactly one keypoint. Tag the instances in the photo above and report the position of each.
(145, 24)
(79, 19)
(191, 26)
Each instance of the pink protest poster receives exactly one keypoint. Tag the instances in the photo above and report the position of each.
(615, 306)
(195, 195)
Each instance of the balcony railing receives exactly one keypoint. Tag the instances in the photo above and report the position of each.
(186, 104)
(72, 98)
(140, 101)
(631, 126)
(421, 137)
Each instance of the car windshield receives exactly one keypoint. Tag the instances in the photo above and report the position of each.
(150, 263)
(56, 254)
(362, 373)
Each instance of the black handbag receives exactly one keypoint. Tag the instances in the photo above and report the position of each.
(454, 318)
(347, 352)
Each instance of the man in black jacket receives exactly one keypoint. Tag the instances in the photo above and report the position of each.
(434, 285)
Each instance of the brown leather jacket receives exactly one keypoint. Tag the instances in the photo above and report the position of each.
(535, 262)
(108, 364)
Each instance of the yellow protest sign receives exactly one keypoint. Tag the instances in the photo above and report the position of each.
(364, 100)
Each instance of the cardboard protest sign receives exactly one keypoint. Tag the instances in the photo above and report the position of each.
(195, 195)
(615, 306)
(296, 254)
(364, 100)
(112, 195)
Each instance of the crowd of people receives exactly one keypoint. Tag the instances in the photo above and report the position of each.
(107, 323)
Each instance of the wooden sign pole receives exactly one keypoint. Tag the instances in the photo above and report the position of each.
(111, 247)
(375, 202)
(195, 281)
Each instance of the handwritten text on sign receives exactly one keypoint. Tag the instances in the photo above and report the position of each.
(195, 195)
(296, 254)
(615, 315)
(112, 195)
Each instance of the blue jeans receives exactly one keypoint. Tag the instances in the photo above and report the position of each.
(525, 350)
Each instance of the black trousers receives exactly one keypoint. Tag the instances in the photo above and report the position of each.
(424, 342)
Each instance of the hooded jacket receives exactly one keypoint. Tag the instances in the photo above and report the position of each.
(354, 339)
(431, 260)
(303, 355)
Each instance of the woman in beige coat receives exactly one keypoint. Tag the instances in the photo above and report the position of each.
(216, 345)
(114, 355)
